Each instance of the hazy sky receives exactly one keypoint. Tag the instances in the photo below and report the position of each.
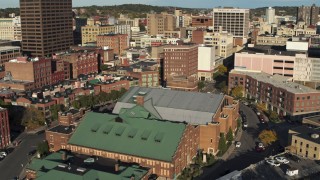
(185, 3)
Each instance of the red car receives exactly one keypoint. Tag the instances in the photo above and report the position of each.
(261, 118)
(260, 147)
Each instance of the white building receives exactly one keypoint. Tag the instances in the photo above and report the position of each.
(223, 41)
(270, 15)
(207, 62)
(10, 28)
(235, 21)
(123, 29)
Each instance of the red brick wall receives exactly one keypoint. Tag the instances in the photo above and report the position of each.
(57, 141)
(4, 128)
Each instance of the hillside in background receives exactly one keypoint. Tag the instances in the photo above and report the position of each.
(285, 10)
(140, 10)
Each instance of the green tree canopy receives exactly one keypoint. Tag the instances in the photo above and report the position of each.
(237, 92)
(201, 85)
(43, 148)
(222, 69)
(230, 135)
(222, 144)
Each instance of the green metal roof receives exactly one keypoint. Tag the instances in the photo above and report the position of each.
(134, 132)
(46, 170)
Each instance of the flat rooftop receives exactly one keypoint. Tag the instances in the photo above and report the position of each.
(269, 50)
(263, 171)
(278, 81)
(305, 132)
(62, 129)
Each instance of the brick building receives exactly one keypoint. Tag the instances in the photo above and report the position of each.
(5, 138)
(181, 61)
(146, 71)
(279, 93)
(198, 36)
(201, 21)
(78, 62)
(118, 42)
(136, 136)
(58, 137)
(8, 52)
(211, 114)
(38, 71)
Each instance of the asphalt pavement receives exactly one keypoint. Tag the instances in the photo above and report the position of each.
(244, 156)
(14, 163)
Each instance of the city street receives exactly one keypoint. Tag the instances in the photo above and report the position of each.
(11, 166)
(241, 157)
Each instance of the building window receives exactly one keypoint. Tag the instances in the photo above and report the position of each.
(211, 140)
(301, 143)
(307, 145)
(314, 155)
(300, 150)
(295, 141)
(315, 148)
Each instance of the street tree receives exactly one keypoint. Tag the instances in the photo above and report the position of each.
(222, 69)
(201, 85)
(43, 148)
(267, 137)
(222, 144)
(237, 92)
(230, 135)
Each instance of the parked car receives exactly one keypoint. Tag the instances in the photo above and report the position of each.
(32, 152)
(282, 160)
(245, 124)
(261, 118)
(2, 153)
(238, 144)
(260, 147)
(273, 162)
(294, 158)
(245, 103)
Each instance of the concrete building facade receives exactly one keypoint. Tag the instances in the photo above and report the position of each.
(158, 23)
(90, 32)
(44, 31)
(10, 28)
(235, 21)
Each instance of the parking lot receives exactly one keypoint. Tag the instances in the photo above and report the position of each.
(264, 170)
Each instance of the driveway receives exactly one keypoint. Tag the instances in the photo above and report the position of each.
(11, 166)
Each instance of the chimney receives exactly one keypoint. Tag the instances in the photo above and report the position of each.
(64, 155)
(116, 166)
(140, 100)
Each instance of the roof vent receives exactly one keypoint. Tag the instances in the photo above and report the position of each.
(62, 165)
(315, 136)
(81, 169)
(142, 93)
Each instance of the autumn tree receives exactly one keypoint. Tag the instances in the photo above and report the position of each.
(273, 116)
(237, 92)
(262, 107)
(267, 137)
(222, 69)
(33, 118)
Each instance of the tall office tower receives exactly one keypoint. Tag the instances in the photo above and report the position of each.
(158, 23)
(308, 14)
(270, 15)
(235, 21)
(46, 26)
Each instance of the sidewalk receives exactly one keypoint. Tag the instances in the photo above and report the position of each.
(227, 154)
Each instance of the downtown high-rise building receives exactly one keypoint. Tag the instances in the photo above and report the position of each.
(158, 23)
(46, 26)
(308, 14)
(270, 15)
(235, 21)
